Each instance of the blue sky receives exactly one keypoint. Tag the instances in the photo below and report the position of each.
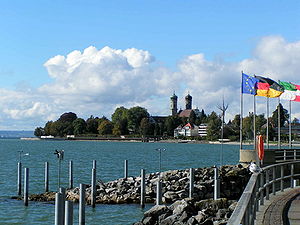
(226, 34)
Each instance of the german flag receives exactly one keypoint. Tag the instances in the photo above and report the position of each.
(267, 87)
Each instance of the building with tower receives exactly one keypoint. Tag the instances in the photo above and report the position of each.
(188, 107)
(174, 104)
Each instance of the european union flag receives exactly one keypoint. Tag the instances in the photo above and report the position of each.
(249, 84)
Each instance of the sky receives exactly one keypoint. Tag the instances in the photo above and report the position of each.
(90, 57)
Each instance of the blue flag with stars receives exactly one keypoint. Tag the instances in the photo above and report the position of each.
(249, 84)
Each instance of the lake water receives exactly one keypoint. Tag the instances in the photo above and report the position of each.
(110, 158)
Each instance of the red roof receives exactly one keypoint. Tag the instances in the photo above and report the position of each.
(185, 113)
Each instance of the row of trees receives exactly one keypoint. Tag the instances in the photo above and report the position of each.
(137, 121)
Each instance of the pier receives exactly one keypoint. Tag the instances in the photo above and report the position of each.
(271, 196)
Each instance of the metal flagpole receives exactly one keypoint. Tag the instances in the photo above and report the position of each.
(267, 123)
(254, 127)
(241, 118)
(279, 143)
(290, 125)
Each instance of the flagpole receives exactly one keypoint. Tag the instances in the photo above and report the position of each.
(254, 127)
(267, 123)
(279, 143)
(290, 125)
(241, 118)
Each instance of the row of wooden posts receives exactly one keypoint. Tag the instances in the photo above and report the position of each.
(64, 209)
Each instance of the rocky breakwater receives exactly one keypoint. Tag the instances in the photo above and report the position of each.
(175, 186)
(190, 212)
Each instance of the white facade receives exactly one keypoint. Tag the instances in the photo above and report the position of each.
(191, 130)
(187, 131)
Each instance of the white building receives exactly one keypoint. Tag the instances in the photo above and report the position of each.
(187, 130)
(202, 131)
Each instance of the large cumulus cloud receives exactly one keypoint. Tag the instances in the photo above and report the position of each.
(96, 81)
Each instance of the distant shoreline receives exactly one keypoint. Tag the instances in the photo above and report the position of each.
(141, 140)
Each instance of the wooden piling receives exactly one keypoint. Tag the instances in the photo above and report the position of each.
(46, 176)
(143, 188)
(125, 168)
(68, 213)
(158, 193)
(70, 174)
(94, 164)
(58, 209)
(93, 188)
(82, 205)
(216, 183)
(26, 186)
(62, 191)
(19, 183)
(191, 186)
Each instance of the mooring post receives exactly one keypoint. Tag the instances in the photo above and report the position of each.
(70, 174)
(46, 176)
(58, 209)
(216, 183)
(158, 193)
(125, 168)
(19, 185)
(62, 191)
(94, 164)
(143, 188)
(93, 188)
(26, 186)
(82, 205)
(68, 213)
(191, 186)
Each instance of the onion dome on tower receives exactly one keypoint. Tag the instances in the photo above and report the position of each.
(188, 102)
(174, 104)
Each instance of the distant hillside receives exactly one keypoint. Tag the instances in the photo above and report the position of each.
(15, 134)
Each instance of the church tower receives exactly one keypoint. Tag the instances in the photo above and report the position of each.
(188, 102)
(174, 104)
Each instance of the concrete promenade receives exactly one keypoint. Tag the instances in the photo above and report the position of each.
(281, 209)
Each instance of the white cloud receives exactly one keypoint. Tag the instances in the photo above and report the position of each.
(97, 81)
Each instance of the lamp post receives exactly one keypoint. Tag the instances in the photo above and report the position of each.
(60, 157)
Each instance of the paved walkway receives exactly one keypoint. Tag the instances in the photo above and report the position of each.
(294, 211)
(272, 212)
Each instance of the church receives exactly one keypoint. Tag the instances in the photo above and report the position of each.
(188, 107)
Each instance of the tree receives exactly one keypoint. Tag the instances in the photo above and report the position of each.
(47, 128)
(68, 117)
(120, 119)
(79, 126)
(146, 127)
(284, 116)
(135, 115)
(171, 123)
(192, 117)
(105, 127)
(39, 131)
(213, 126)
(116, 129)
(92, 125)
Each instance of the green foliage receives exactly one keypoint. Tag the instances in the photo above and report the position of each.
(79, 126)
(105, 127)
(171, 123)
(92, 125)
(192, 117)
(284, 116)
(213, 126)
(135, 116)
(120, 120)
(67, 117)
(39, 131)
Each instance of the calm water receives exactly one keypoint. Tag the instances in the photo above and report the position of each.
(110, 158)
